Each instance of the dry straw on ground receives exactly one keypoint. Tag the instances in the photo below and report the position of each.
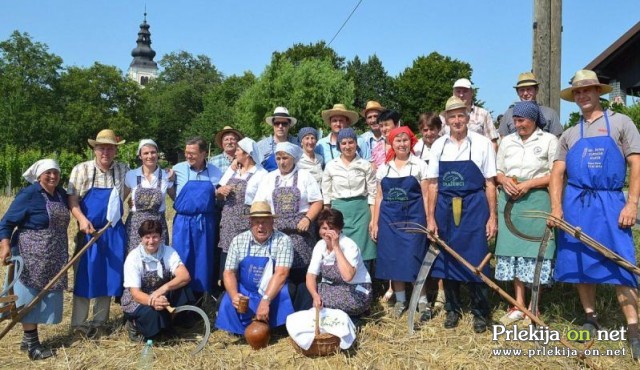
(382, 343)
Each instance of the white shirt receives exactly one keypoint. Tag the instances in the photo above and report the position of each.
(421, 150)
(351, 252)
(131, 181)
(133, 269)
(527, 160)
(415, 167)
(346, 181)
(314, 166)
(308, 186)
(252, 185)
(482, 154)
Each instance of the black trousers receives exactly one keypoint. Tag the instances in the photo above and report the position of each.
(150, 322)
(478, 293)
(300, 296)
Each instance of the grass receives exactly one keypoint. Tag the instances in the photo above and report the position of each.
(382, 342)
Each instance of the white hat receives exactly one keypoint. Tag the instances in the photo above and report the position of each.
(38, 168)
(281, 112)
(291, 149)
(250, 147)
(144, 142)
(463, 82)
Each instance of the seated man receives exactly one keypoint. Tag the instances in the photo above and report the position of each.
(257, 267)
(154, 278)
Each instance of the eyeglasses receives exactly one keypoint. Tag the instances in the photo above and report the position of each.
(284, 124)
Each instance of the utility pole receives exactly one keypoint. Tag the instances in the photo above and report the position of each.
(547, 39)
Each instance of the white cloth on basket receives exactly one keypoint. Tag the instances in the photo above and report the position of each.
(301, 326)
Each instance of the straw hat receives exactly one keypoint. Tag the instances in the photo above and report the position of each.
(584, 78)
(226, 130)
(454, 103)
(526, 79)
(339, 110)
(371, 105)
(281, 112)
(106, 137)
(260, 209)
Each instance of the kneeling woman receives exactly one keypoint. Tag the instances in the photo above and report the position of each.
(345, 284)
(154, 277)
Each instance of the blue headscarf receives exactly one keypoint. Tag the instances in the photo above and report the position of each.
(530, 110)
(346, 133)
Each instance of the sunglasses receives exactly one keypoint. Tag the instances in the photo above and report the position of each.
(285, 124)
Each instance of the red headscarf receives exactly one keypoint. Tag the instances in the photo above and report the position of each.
(392, 135)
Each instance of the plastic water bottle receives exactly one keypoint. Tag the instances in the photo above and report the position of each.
(146, 357)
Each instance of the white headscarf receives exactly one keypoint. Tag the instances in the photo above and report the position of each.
(38, 168)
(250, 147)
(291, 149)
(144, 142)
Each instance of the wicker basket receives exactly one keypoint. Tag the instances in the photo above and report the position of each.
(323, 343)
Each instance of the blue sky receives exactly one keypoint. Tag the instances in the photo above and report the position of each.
(494, 36)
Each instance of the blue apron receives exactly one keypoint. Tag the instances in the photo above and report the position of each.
(100, 270)
(269, 163)
(461, 179)
(250, 271)
(194, 231)
(400, 253)
(593, 200)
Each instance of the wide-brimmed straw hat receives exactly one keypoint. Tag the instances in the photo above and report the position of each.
(339, 110)
(526, 79)
(454, 103)
(371, 105)
(260, 209)
(584, 78)
(281, 112)
(106, 137)
(226, 130)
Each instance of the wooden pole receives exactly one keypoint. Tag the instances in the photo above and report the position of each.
(556, 55)
(547, 39)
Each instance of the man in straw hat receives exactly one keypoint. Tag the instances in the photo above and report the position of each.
(257, 268)
(282, 122)
(227, 140)
(99, 272)
(527, 90)
(480, 120)
(194, 225)
(595, 155)
(370, 113)
(462, 169)
(337, 118)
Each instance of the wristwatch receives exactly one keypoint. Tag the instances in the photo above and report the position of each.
(266, 298)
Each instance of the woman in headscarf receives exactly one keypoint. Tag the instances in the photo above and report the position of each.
(294, 195)
(154, 278)
(401, 197)
(524, 163)
(148, 186)
(39, 215)
(345, 284)
(310, 160)
(349, 185)
(237, 190)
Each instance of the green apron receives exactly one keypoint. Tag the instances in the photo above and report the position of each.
(509, 244)
(356, 224)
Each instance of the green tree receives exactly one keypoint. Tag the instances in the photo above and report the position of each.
(182, 66)
(305, 89)
(426, 85)
(28, 81)
(371, 82)
(301, 52)
(96, 98)
(218, 108)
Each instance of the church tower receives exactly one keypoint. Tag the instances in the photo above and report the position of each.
(143, 69)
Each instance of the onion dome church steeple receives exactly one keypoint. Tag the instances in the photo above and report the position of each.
(143, 68)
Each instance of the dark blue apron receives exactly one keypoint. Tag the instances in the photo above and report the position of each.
(400, 253)
(250, 272)
(593, 200)
(194, 231)
(461, 179)
(100, 270)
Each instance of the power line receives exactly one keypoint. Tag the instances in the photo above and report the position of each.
(345, 22)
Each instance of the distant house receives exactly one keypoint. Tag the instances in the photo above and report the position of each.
(619, 66)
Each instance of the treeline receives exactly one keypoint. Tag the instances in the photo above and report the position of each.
(52, 108)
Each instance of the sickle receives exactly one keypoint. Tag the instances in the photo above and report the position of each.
(429, 258)
(205, 319)
(509, 223)
(535, 288)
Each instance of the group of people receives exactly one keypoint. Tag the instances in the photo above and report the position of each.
(292, 222)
